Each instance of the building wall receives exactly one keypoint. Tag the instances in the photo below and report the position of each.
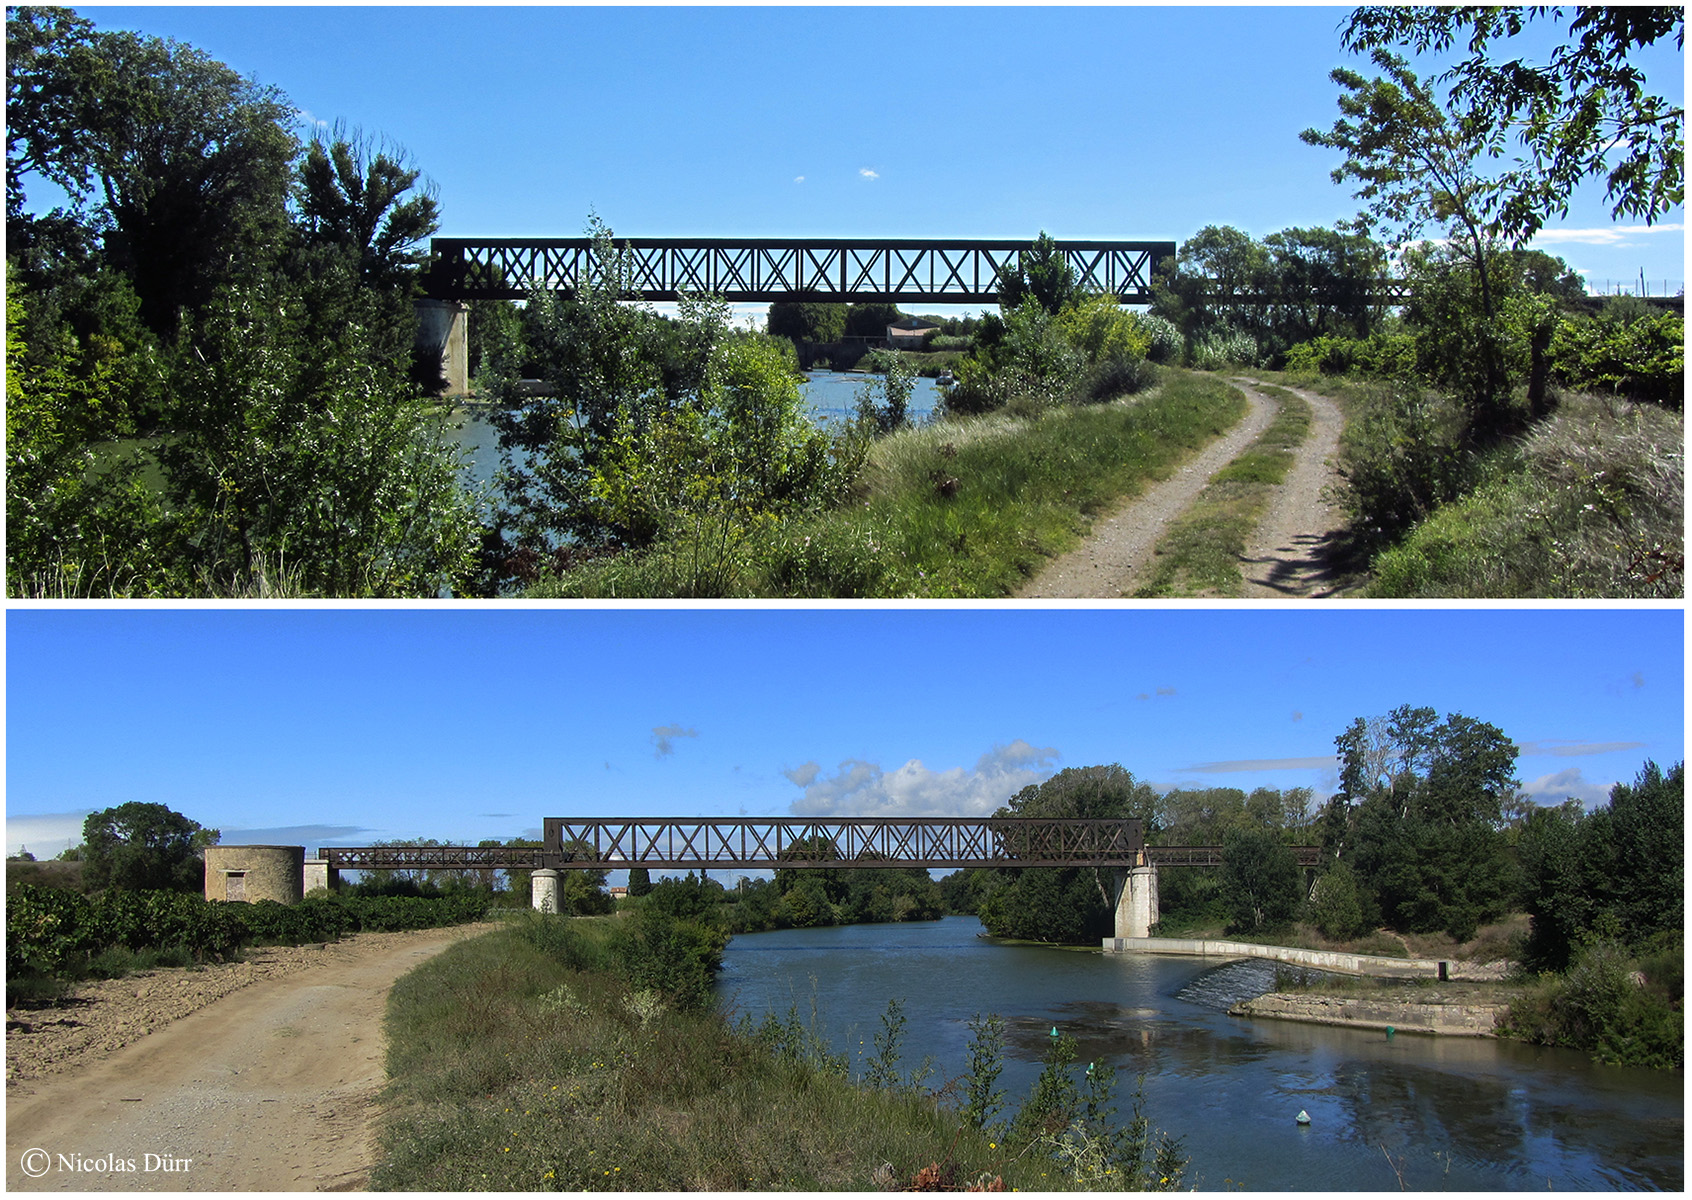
(255, 873)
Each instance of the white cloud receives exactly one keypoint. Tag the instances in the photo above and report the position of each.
(44, 834)
(867, 173)
(664, 739)
(798, 179)
(1609, 235)
(1559, 786)
(863, 789)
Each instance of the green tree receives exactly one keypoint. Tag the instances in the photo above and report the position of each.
(640, 881)
(1068, 905)
(362, 218)
(1426, 834)
(871, 319)
(804, 321)
(1414, 164)
(1040, 272)
(188, 162)
(1260, 881)
(1583, 112)
(139, 846)
(310, 459)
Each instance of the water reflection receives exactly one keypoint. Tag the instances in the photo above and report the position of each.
(1442, 1113)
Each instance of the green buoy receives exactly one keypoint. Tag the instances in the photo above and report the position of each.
(1303, 1117)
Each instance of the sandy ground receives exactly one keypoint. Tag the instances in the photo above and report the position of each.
(259, 1076)
(1287, 556)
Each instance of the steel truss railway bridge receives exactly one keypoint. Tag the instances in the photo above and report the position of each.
(742, 270)
(599, 843)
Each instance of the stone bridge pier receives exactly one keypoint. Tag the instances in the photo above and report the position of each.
(1136, 901)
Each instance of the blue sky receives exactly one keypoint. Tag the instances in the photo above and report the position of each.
(341, 726)
(1136, 122)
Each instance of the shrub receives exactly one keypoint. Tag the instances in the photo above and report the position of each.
(1383, 356)
(1402, 455)
(674, 957)
(1222, 349)
(1643, 358)
(1164, 342)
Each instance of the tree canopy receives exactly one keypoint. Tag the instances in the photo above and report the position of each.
(144, 847)
(1587, 110)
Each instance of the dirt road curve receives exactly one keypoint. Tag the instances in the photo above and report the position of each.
(270, 1088)
(1290, 555)
(1103, 567)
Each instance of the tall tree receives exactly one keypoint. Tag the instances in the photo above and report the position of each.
(1425, 827)
(144, 847)
(187, 163)
(1585, 111)
(1042, 272)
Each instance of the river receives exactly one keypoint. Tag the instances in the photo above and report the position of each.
(830, 395)
(1424, 1113)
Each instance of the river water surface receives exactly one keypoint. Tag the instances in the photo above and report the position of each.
(1424, 1113)
(830, 396)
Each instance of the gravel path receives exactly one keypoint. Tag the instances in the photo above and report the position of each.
(256, 1076)
(1291, 553)
(1103, 567)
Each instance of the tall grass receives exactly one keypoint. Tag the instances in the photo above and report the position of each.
(969, 507)
(531, 1059)
(1589, 504)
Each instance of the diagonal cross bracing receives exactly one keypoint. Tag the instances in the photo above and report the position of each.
(764, 269)
(853, 842)
(756, 843)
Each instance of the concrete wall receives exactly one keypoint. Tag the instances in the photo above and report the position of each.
(1325, 960)
(1462, 1020)
(255, 873)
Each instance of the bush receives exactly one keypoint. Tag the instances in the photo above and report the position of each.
(1590, 504)
(1383, 356)
(1163, 338)
(1402, 455)
(675, 957)
(1642, 358)
(1606, 1007)
(1225, 348)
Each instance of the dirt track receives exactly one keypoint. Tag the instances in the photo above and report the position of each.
(271, 1087)
(1287, 556)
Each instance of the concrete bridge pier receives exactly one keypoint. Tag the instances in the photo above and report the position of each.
(1136, 901)
(443, 336)
(543, 890)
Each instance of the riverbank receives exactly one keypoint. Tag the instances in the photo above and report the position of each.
(542, 1058)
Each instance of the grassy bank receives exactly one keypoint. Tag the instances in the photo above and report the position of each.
(538, 1057)
(1587, 503)
(963, 508)
(1200, 554)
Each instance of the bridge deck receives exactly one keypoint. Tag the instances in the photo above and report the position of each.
(760, 844)
(759, 269)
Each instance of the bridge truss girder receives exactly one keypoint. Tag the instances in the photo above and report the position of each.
(757, 270)
(762, 844)
(852, 842)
